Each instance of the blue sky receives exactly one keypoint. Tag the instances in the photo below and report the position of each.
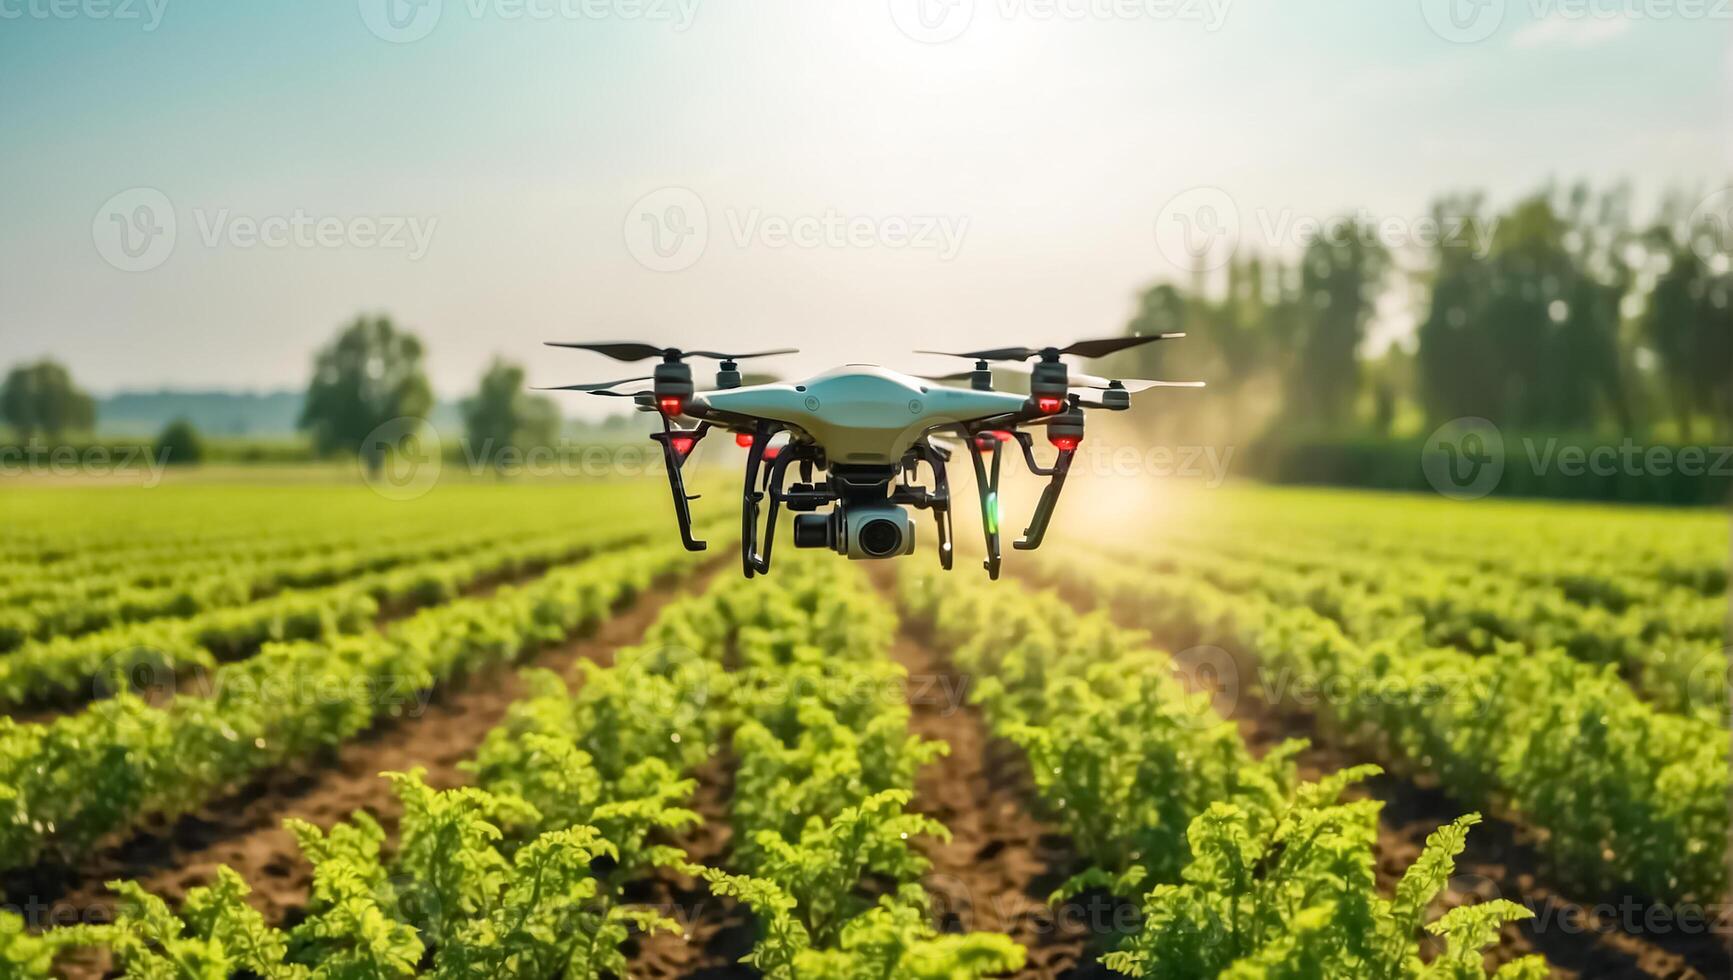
(863, 191)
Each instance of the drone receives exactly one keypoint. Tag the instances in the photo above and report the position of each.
(858, 435)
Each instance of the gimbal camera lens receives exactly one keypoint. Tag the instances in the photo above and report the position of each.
(881, 537)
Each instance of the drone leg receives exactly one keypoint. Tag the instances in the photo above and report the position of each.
(673, 461)
(1044, 510)
(942, 514)
(989, 491)
(941, 503)
(751, 561)
(773, 481)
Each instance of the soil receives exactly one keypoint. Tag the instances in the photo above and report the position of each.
(245, 830)
(1001, 863)
(715, 932)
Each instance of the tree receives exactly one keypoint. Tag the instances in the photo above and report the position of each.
(1687, 322)
(368, 376)
(41, 398)
(501, 413)
(1529, 334)
(1341, 276)
(179, 444)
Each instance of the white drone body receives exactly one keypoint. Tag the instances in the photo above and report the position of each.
(868, 430)
(861, 413)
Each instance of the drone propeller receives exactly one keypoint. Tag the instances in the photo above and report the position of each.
(606, 388)
(1075, 380)
(597, 388)
(1082, 348)
(633, 351)
(1132, 385)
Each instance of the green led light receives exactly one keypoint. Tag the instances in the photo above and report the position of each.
(992, 513)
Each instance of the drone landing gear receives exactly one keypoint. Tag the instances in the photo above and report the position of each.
(987, 481)
(677, 445)
(1037, 529)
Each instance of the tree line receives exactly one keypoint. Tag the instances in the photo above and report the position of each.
(1575, 317)
(370, 374)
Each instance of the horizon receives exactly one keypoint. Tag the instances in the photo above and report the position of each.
(495, 181)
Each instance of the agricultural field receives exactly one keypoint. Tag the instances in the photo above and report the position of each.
(514, 730)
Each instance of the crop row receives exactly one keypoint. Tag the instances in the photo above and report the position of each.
(1674, 657)
(524, 874)
(1614, 556)
(1244, 870)
(98, 535)
(66, 785)
(820, 805)
(148, 654)
(65, 610)
(1626, 795)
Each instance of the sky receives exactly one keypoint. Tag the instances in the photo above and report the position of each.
(197, 193)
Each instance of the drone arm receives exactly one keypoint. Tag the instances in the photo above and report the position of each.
(1049, 498)
(1027, 441)
(674, 461)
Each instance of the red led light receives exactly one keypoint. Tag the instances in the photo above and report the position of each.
(743, 440)
(1001, 435)
(987, 443)
(671, 404)
(1050, 404)
(771, 452)
(683, 445)
(1065, 443)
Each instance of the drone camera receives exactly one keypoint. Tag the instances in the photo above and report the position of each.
(860, 531)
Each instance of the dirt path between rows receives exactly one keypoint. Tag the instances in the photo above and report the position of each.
(245, 831)
(716, 932)
(1601, 938)
(1002, 862)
